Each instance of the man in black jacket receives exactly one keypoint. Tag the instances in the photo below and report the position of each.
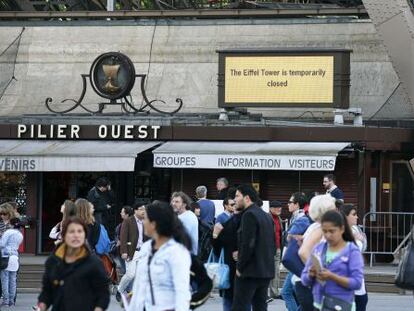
(256, 251)
(101, 196)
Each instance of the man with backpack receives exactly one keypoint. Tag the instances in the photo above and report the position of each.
(132, 238)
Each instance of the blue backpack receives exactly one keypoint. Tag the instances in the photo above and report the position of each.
(104, 243)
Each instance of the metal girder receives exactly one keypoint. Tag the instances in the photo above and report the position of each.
(53, 5)
(394, 21)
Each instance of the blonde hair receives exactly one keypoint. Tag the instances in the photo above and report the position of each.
(8, 209)
(83, 211)
(319, 205)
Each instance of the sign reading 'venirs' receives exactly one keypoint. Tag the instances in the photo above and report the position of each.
(284, 78)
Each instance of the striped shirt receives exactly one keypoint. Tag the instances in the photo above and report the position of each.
(4, 227)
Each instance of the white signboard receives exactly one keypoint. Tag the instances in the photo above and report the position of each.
(220, 208)
(63, 164)
(254, 162)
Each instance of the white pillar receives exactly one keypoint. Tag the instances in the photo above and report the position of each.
(110, 5)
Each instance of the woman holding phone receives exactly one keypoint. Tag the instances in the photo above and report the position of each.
(338, 270)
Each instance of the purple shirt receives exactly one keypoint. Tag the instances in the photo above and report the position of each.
(348, 263)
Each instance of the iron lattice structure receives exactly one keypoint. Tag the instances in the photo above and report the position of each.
(127, 5)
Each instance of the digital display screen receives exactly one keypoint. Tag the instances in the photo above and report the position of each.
(279, 79)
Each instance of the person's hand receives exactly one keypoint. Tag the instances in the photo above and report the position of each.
(41, 306)
(108, 206)
(324, 275)
(98, 309)
(238, 273)
(118, 243)
(312, 272)
(124, 256)
(359, 236)
(235, 255)
(218, 227)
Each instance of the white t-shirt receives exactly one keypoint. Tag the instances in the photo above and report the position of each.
(13, 265)
(190, 223)
(362, 247)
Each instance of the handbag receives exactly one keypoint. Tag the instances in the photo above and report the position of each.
(218, 271)
(4, 262)
(330, 303)
(291, 259)
(405, 273)
(204, 285)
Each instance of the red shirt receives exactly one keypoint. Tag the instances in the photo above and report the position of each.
(278, 230)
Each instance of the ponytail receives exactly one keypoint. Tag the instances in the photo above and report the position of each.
(338, 219)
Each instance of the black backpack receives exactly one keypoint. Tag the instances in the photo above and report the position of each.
(204, 283)
(205, 233)
(405, 273)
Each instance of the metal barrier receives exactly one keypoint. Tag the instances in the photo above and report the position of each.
(386, 233)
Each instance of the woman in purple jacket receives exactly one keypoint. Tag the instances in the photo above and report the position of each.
(335, 269)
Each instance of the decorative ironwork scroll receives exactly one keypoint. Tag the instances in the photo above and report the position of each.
(112, 76)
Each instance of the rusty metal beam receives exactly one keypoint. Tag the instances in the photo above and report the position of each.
(216, 13)
(394, 21)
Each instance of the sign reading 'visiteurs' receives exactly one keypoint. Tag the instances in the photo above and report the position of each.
(281, 162)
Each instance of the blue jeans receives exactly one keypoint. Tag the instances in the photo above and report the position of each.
(288, 293)
(8, 285)
(227, 302)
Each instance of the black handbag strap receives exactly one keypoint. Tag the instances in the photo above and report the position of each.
(149, 276)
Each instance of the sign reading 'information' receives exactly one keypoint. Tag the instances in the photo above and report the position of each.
(253, 162)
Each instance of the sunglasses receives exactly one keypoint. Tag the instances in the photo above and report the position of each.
(291, 202)
(3, 214)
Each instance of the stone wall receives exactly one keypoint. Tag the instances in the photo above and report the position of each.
(184, 61)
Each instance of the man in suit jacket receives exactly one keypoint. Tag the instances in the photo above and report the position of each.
(256, 251)
(131, 239)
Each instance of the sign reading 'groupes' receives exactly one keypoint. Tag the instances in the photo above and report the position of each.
(313, 78)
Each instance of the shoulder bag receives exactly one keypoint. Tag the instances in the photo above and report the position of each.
(218, 271)
(405, 273)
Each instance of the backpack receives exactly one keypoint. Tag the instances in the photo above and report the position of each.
(103, 246)
(110, 268)
(205, 232)
(204, 285)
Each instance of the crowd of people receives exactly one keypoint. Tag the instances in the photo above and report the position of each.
(161, 247)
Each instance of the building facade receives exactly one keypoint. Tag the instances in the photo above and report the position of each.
(52, 157)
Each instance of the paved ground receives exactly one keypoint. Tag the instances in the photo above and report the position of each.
(377, 302)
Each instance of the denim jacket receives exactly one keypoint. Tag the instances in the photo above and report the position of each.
(349, 263)
(10, 242)
(170, 278)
